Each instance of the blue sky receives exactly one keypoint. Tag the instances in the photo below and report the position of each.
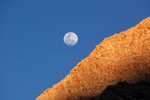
(33, 55)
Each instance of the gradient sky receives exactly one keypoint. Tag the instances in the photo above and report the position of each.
(33, 55)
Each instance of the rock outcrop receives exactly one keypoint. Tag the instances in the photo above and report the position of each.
(121, 57)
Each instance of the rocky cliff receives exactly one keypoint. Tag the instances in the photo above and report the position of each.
(121, 57)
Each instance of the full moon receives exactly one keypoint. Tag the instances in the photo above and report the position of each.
(70, 39)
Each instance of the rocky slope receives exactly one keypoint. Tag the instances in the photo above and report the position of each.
(121, 57)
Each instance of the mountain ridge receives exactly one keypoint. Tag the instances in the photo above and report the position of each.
(121, 57)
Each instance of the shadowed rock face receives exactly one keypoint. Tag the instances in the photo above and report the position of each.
(121, 57)
(125, 91)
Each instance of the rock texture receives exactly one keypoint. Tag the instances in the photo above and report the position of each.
(121, 57)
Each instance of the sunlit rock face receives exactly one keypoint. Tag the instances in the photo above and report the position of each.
(121, 57)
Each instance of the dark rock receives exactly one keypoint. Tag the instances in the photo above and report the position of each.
(125, 91)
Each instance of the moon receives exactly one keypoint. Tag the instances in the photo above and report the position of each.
(70, 38)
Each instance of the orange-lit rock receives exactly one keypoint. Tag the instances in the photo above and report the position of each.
(121, 57)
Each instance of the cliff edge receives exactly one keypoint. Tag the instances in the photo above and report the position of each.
(121, 57)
